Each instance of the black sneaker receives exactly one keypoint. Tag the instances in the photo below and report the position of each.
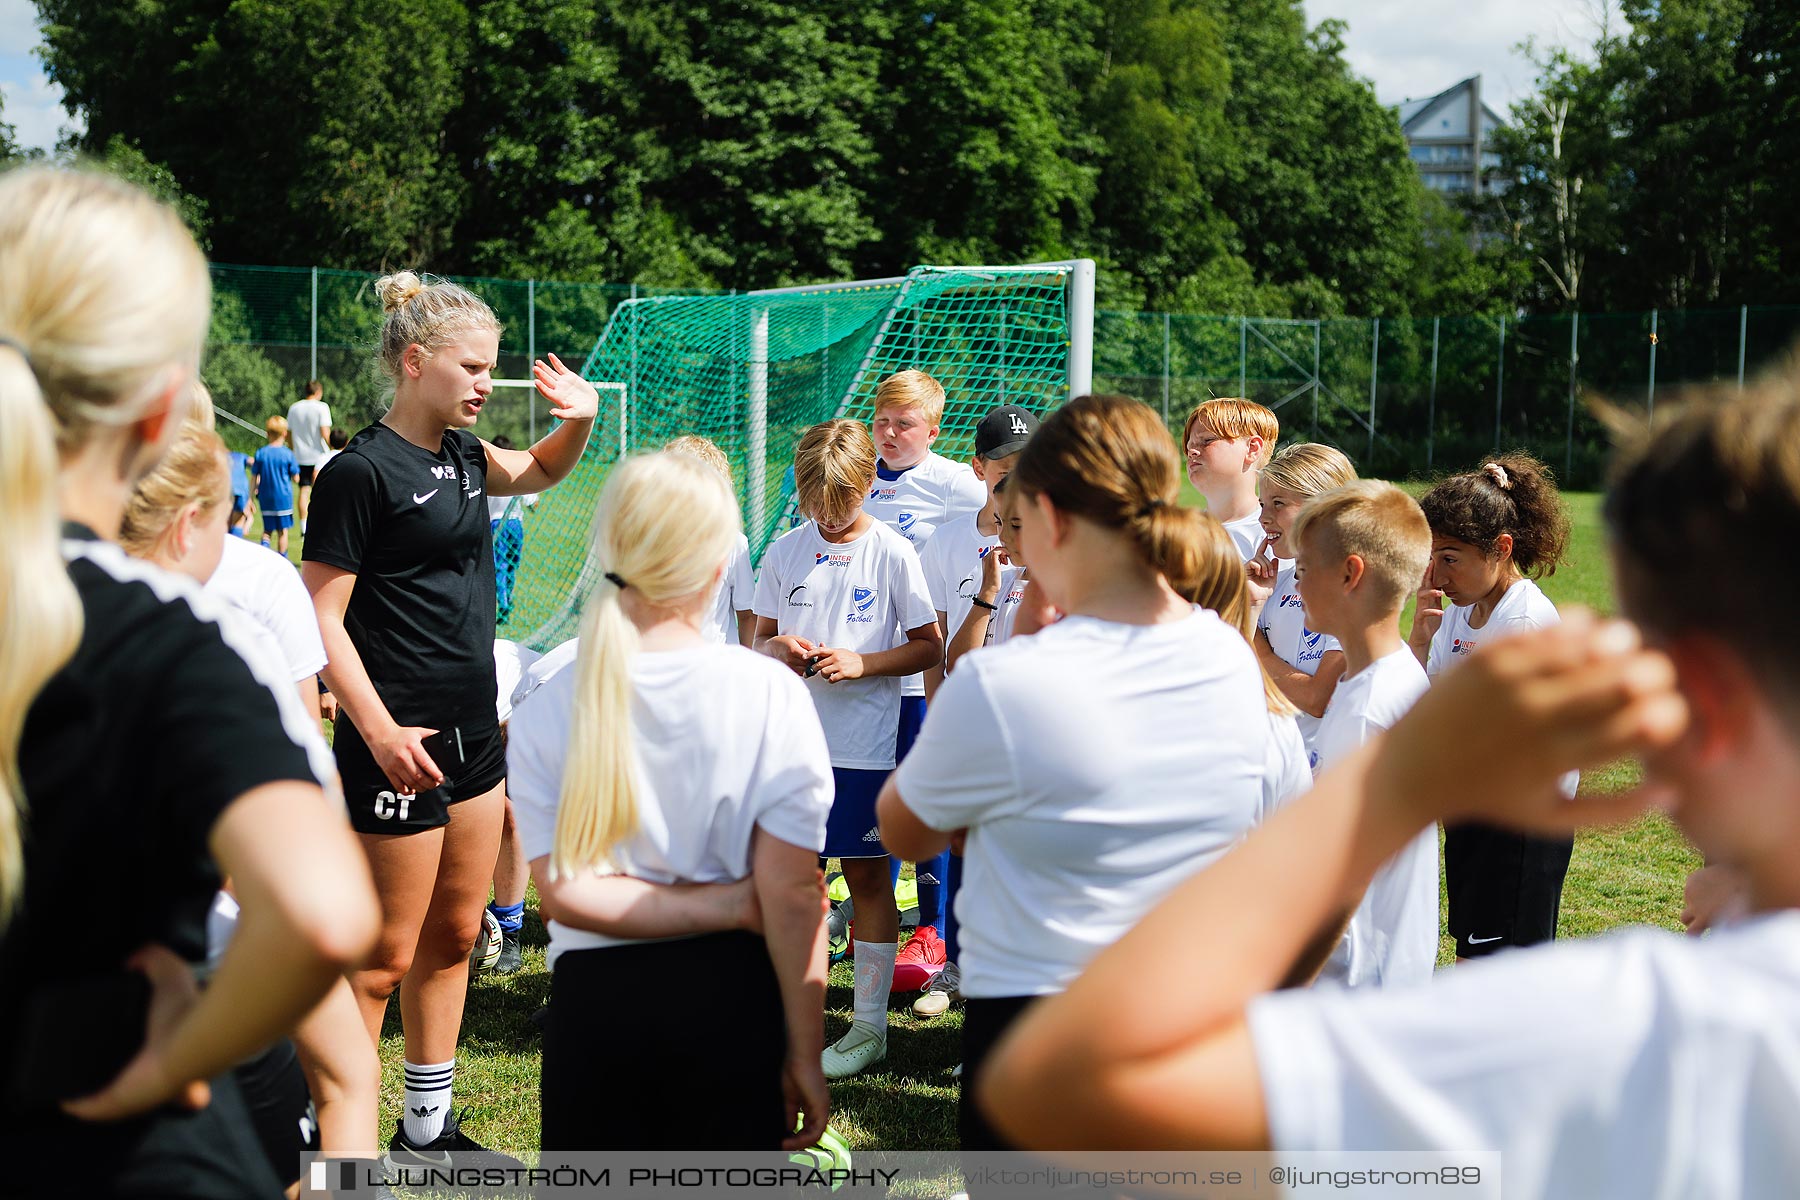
(509, 961)
(403, 1156)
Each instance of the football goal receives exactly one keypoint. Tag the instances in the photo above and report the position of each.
(753, 370)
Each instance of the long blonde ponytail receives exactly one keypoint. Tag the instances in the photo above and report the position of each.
(665, 526)
(105, 299)
(40, 614)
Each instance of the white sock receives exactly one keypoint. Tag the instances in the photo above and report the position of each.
(874, 980)
(427, 1101)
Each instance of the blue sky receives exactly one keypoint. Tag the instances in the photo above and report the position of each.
(1407, 47)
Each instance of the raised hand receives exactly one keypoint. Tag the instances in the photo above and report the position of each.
(571, 397)
(1527, 709)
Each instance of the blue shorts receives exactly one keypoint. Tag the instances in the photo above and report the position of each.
(851, 831)
(276, 522)
(912, 716)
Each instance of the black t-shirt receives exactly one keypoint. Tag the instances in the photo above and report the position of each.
(413, 527)
(129, 756)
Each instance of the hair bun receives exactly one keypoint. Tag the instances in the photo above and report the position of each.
(1497, 473)
(397, 289)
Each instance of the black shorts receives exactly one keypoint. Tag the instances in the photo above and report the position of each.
(281, 1108)
(306, 475)
(375, 807)
(1504, 888)
(602, 1091)
(984, 1023)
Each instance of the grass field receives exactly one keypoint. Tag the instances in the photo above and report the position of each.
(1631, 875)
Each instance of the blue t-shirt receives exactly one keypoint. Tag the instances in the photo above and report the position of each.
(276, 470)
(240, 480)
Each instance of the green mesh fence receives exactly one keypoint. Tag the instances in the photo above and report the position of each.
(1404, 398)
(753, 371)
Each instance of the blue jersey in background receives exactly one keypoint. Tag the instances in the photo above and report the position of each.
(276, 470)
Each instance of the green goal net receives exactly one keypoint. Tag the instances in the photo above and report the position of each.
(753, 370)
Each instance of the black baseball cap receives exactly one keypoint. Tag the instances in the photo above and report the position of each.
(1004, 431)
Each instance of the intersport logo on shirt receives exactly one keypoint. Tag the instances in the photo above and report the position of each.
(1291, 600)
(883, 493)
(1458, 646)
(833, 560)
(862, 601)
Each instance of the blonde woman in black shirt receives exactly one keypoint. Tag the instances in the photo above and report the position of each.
(399, 559)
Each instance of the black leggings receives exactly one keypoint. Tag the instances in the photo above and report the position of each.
(672, 1045)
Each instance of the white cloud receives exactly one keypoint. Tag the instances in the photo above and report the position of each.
(1413, 50)
(33, 104)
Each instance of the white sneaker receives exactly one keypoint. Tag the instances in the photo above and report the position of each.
(945, 986)
(857, 1050)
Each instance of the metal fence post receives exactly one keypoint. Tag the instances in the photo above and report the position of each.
(1743, 330)
(1374, 375)
(1165, 317)
(313, 367)
(531, 348)
(1315, 380)
(1431, 404)
(1243, 352)
(1650, 396)
(1574, 360)
(1500, 384)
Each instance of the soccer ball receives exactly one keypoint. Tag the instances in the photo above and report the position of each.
(837, 931)
(827, 1154)
(488, 944)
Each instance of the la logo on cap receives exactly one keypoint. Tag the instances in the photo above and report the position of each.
(1018, 424)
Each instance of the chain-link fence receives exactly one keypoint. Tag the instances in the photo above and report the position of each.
(1403, 397)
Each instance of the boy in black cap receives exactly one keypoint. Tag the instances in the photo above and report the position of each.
(953, 560)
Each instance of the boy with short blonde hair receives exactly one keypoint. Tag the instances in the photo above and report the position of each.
(842, 602)
(1361, 550)
(1227, 442)
(733, 614)
(918, 491)
(277, 471)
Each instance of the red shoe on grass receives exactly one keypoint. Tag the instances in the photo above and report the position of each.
(919, 960)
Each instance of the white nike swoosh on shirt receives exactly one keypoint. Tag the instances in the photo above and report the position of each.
(418, 499)
(1475, 941)
(474, 493)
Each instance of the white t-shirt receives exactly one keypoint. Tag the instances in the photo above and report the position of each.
(737, 591)
(1524, 607)
(953, 560)
(264, 586)
(308, 422)
(861, 595)
(1247, 534)
(511, 662)
(1392, 939)
(1641, 1063)
(1283, 621)
(1286, 773)
(1013, 582)
(1096, 766)
(725, 743)
(917, 502)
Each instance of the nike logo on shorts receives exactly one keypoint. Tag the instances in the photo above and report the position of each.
(1475, 941)
(418, 499)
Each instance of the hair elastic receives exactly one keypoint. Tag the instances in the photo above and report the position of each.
(1497, 473)
(1152, 506)
(613, 578)
(6, 341)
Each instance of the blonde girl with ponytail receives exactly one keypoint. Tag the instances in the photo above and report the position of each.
(1084, 805)
(134, 785)
(671, 795)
